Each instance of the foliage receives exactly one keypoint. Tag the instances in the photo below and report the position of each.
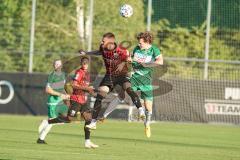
(56, 30)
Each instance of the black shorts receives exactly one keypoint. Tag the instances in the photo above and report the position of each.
(111, 81)
(77, 107)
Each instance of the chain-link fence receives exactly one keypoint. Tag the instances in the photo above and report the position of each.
(186, 96)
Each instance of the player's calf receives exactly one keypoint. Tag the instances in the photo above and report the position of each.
(137, 102)
(92, 125)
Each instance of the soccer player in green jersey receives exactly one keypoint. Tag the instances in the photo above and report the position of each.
(56, 95)
(145, 56)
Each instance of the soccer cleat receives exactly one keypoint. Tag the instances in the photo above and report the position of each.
(148, 131)
(42, 126)
(39, 141)
(141, 114)
(89, 145)
(92, 125)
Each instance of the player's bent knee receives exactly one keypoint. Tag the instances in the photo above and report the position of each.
(103, 90)
(126, 85)
(87, 116)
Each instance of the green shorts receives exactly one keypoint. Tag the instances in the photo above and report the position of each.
(55, 110)
(56, 106)
(142, 84)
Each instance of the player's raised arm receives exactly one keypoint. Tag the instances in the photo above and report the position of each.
(96, 52)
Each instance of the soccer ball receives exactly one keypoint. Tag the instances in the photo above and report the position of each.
(126, 10)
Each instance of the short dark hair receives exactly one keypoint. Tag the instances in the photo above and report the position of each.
(83, 58)
(109, 35)
(146, 36)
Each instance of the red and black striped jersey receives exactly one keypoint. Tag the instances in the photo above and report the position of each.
(82, 78)
(112, 58)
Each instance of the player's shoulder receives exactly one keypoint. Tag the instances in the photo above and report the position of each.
(80, 71)
(51, 77)
(136, 48)
(119, 48)
(155, 48)
(51, 74)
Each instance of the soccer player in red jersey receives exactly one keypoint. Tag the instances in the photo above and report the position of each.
(78, 100)
(115, 60)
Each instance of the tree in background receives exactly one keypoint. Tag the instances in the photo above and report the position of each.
(59, 29)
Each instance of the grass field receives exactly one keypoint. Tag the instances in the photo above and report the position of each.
(118, 140)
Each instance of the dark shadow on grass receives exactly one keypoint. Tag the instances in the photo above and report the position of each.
(136, 140)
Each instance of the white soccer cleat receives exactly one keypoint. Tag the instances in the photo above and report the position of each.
(141, 113)
(42, 126)
(89, 144)
(92, 125)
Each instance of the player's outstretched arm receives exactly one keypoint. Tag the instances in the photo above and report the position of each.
(51, 91)
(96, 52)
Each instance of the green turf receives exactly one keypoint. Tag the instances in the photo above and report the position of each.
(118, 140)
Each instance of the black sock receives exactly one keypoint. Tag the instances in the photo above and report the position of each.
(97, 106)
(73, 109)
(86, 130)
(134, 97)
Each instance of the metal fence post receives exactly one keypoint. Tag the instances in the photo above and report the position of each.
(207, 39)
(149, 16)
(31, 49)
(90, 25)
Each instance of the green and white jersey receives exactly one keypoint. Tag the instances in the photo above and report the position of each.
(144, 56)
(56, 81)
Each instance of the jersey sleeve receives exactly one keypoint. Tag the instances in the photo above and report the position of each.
(78, 76)
(50, 80)
(156, 52)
